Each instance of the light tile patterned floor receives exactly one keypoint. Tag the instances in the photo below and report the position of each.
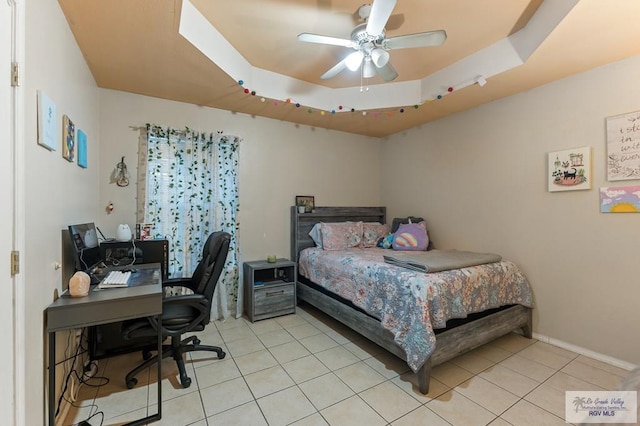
(307, 369)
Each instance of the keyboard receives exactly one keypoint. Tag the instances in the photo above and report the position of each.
(115, 279)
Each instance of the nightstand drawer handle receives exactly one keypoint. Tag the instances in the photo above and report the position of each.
(274, 293)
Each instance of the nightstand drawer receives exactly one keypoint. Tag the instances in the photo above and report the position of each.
(274, 299)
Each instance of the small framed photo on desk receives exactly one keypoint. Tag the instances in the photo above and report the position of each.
(144, 231)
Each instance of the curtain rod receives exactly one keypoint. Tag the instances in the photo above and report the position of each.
(183, 133)
(138, 128)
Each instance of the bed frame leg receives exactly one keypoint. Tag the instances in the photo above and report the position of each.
(527, 329)
(424, 374)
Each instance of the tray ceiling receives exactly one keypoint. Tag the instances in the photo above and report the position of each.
(197, 51)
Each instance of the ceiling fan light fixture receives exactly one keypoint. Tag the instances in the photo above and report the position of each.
(380, 57)
(368, 69)
(364, 11)
(354, 60)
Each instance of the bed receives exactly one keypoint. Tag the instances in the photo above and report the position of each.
(435, 344)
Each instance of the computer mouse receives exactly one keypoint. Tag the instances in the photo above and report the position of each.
(132, 270)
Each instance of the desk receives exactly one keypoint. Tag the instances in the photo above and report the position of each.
(143, 298)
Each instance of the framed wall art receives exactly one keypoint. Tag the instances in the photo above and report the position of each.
(623, 146)
(47, 129)
(570, 170)
(82, 149)
(68, 139)
(620, 199)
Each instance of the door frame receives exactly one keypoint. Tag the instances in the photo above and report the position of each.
(14, 226)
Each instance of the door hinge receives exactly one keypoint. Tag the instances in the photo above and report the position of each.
(15, 262)
(15, 81)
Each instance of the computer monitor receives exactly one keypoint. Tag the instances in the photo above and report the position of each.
(85, 241)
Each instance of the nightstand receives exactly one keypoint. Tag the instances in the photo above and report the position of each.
(269, 288)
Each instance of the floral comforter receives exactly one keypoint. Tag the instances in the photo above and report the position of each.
(412, 304)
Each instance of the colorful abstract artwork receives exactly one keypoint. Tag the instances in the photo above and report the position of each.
(570, 169)
(620, 199)
(68, 139)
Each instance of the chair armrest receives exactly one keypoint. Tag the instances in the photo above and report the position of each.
(177, 282)
(195, 300)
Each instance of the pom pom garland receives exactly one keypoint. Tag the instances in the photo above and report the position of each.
(364, 113)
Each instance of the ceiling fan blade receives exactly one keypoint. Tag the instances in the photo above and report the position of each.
(388, 73)
(380, 13)
(335, 70)
(429, 38)
(315, 38)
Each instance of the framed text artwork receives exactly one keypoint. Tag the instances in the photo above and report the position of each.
(68, 139)
(46, 122)
(570, 170)
(623, 146)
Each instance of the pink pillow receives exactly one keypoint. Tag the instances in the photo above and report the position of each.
(411, 237)
(372, 232)
(341, 236)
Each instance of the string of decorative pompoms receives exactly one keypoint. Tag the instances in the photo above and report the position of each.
(340, 107)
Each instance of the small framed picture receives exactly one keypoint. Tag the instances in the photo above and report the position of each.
(144, 231)
(570, 169)
(46, 122)
(82, 149)
(306, 201)
(68, 139)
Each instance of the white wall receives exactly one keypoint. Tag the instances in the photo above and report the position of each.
(58, 193)
(278, 160)
(479, 177)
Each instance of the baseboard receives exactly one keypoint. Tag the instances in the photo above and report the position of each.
(586, 352)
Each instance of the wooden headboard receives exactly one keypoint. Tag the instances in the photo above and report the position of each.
(301, 223)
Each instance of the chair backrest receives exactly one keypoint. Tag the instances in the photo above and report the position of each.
(207, 273)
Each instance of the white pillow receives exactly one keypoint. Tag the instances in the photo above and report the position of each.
(316, 234)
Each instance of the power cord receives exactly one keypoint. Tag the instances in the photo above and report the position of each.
(68, 374)
(133, 243)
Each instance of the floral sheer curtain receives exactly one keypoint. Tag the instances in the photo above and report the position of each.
(188, 188)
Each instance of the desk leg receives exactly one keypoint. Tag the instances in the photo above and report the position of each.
(158, 415)
(52, 379)
(159, 321)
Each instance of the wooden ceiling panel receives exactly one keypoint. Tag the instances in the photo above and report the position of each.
(134, 46)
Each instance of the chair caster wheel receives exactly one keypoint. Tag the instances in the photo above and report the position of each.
(146, 354)
(221, 355)
(196, 341)
(131, 383)
(185, 381)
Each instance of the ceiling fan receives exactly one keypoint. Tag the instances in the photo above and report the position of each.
(370, 44)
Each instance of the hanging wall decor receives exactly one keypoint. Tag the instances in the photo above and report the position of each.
(46, 122)
(122, 175)
(570, 170)
(82, 149)
(623, 146)
(68, 139)
(620, 199)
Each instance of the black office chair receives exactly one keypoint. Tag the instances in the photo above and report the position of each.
(183, 313)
